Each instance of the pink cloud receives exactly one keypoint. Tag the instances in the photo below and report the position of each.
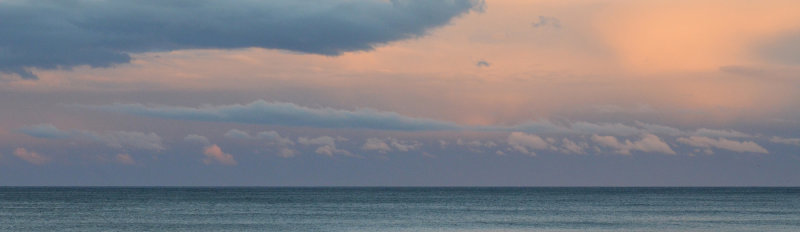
(30, 156)
(214, 154)
(648, 143)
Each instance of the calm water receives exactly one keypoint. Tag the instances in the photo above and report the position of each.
(399, 209)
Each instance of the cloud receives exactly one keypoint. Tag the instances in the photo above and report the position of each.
(326, 145)
(647, 143)
(375, 144)
(443, 144)
(618, 129)
(570, 147)
(47, 131)
(330, 151)
(483, 63)
(784, 49)
(116, 139)
(477, 146)
(404, 146)
(125, 159)
(30, 156)
(721, 133)
(121, 139)
(722, 143)
(540, 127)
(271, 137)
(789, 141)
(193, 138)
(545, 21)
(605, 128)
(287, 153)
(742, 70)
(288, 114)
(660, 129)
(389, 144)
(476, 143)
(52, 34)
(215, 155)
(525, 143)
(274, 137)
(237, 134)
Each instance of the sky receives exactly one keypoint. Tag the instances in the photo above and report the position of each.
(400, 93)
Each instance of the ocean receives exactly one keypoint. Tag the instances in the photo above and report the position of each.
(398, 209)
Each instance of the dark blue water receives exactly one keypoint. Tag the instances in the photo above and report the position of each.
(399, 209)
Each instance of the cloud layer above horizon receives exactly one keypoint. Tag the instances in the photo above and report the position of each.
(399, 92)
(526, 138)
(289, 114)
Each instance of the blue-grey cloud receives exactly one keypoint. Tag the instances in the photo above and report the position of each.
(199, 139)
(237, 134)
(53, 34)
(116, 139)
(287, 114)
(47, 131)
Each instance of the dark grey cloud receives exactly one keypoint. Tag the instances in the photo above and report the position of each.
(288, 114)
(483, 63)
(53, 34)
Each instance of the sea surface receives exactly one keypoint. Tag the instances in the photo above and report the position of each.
(398, 209)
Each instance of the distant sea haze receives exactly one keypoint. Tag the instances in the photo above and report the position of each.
(398, 209)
